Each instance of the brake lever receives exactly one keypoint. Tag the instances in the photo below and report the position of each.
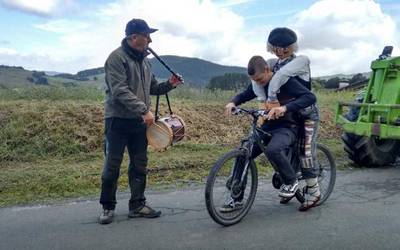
(235, 111)
(263, 112)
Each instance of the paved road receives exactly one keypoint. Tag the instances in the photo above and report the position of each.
(362, 213)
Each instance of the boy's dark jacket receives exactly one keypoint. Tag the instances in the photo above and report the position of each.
(292, 94)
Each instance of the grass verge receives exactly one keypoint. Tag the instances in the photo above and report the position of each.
(51, 150)
(55, 179)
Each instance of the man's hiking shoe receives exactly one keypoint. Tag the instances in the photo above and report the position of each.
(144, 211)
(288, 191)
(311, 195)
(231, 205)
(106, 217)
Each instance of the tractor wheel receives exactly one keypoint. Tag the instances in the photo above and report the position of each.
(370, 151)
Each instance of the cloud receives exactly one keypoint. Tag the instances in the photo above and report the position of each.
(339, 36)
(62, 26)
(37, 7)
(187, 28)
(7, 51)
(343, 36)
(230, 3)
(36, 61)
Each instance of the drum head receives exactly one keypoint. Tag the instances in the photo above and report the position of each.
(159, 135)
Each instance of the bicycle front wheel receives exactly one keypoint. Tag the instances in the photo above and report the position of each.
(231, 188)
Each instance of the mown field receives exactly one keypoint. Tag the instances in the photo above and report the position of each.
(51, 141)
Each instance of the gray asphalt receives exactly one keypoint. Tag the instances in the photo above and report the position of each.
(362, 213)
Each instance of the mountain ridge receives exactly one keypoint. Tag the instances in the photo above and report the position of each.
(196, 72)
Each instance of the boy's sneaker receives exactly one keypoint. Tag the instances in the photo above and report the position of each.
(144, 211)
(288, 191)
(231, 205)
(106, 217)
(311, 195)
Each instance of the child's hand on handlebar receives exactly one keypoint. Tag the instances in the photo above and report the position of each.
(276, 113)
(229, 108)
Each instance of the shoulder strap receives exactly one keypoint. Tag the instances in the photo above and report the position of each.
(279, 65)
(158, 103)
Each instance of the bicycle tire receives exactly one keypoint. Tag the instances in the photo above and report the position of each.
(332, 173)
(212, 208)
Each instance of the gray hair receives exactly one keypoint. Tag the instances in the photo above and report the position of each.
(294, 46)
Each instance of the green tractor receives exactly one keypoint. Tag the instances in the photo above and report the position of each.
(372, 124)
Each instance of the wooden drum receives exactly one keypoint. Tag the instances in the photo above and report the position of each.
(166, 131)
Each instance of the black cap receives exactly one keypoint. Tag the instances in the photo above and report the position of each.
(138, 26)
(282, 37)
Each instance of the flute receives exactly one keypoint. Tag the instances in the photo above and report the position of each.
(164, 64)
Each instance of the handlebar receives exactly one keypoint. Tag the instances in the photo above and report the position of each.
(255, 113)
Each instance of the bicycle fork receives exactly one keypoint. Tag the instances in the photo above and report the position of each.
(238, 178)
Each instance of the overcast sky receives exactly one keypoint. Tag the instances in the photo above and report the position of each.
(339, 36)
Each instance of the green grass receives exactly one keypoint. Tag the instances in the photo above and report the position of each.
(51, 141)
(44, 180)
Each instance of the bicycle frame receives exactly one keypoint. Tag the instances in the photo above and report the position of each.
(256, 138)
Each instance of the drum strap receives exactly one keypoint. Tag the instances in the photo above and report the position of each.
(157, 105)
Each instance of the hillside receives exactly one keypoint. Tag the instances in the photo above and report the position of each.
(342, 76)
(16, 77)
(196, 72)
(11, 77)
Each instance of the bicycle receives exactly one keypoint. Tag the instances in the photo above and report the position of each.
(235, 174)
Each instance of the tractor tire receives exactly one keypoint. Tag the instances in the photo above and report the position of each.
(368, 151)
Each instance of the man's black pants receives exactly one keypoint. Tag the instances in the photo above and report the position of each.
(120, 134)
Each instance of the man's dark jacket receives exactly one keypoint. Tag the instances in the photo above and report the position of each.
(130, 83)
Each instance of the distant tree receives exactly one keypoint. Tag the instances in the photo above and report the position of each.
(38, 74)
(67, 76)
(333, 83)
(357, 78)
(90, 72)
(42, 81)
(38, 78)
(229, 81)
(95, 78)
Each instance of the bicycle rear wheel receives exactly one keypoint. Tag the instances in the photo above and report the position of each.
(228, 181)
(326, 172)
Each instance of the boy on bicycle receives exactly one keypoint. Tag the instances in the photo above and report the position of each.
(283, 124)
(283, 43)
